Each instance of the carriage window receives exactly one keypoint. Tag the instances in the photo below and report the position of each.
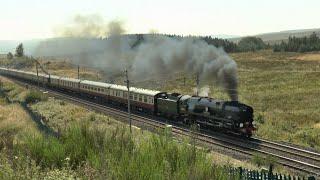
(131, 96)
(140, 98)
(145, 99)
(125, 94)
(135, 97)
(151, 100)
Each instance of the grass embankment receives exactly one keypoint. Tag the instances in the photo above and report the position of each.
(90, 146)
(14, 120)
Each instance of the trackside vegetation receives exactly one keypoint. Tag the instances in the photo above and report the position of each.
(35, 96)
(85, 152)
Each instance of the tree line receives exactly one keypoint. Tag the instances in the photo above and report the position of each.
(19, 52)
(299, 44)
(245, 44)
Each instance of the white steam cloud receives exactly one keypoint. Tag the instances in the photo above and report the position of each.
(90, 26)
(203, 91)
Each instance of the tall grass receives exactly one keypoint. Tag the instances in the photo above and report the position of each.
(115, 154)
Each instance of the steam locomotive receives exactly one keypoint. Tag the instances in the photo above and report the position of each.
(208, 113)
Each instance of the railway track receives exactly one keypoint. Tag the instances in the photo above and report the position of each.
(296, 158)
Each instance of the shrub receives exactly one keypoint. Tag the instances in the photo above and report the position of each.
(251, 44)
(258, 159)
(35, 96)
(261, 160)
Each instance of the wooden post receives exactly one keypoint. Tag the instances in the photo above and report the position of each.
(78, 72)
(197, 82)
(128, 86)
(270, 171)
(37, 75)
(240, 172)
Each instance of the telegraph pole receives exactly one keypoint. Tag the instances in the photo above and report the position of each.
(128, 86)
(37, 75)
(78, 72)
(198, 82)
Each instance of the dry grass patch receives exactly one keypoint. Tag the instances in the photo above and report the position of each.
(309, 57)
(14, 117)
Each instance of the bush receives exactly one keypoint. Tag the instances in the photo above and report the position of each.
(9, 56)
(261, 160)
(35, 96)
(251, 44)
(19, 50)
(258, 159)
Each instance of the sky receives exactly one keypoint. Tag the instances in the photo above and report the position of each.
(37, 19)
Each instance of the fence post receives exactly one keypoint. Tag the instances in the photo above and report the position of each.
(270, 171)
(240, 172)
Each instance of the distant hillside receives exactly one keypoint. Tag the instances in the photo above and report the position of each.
(10, 46)
(276, 37)
(225, 36)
